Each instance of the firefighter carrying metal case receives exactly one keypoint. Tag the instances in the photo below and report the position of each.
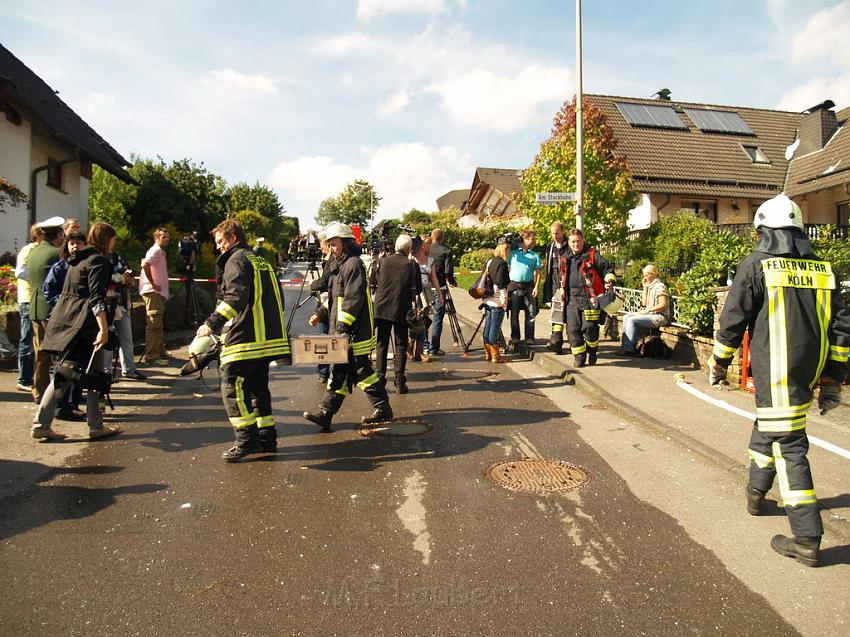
(309, 350)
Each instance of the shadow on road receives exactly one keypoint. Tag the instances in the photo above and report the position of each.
(42, 504)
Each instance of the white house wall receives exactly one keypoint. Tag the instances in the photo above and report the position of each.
(14, 155)
(51, 201)
(640, 216)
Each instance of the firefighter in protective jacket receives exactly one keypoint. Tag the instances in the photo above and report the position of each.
(251, 306)
(350, 313)
(799, 337)
(586, 278)
(557, 256)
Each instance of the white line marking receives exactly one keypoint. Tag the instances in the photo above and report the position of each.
(823, 444)
(412, 515)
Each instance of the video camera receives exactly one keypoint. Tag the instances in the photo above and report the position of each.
(380, 241)
(189, 250)
(513, 240)
(313, 250)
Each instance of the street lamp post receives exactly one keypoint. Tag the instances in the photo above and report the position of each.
(579, 125)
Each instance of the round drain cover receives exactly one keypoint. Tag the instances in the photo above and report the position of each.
(399, 428)
(537, 475)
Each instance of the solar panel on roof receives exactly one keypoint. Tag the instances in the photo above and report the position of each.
(652, 115)
(719, 121)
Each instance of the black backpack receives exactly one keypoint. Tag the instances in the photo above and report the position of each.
(653, 346)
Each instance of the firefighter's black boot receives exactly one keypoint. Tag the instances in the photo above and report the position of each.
(581, 360)
(247, 442)
(383, 412)
(806, 550)
(322, 418)
(556, 343)
(591, 356)
(755, 499)
(268, 439)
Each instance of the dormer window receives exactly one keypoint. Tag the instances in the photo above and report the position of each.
(755, 154)
(54, 174)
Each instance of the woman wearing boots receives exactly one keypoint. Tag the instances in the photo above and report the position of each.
(497, 303)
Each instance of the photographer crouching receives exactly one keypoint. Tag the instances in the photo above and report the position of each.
(250, 302)
(78, 329)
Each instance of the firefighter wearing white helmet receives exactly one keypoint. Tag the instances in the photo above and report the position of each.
(799, 337)
(350, 313)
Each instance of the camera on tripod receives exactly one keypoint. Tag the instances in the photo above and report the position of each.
(189, 250)
(314, 252)
(513, 240)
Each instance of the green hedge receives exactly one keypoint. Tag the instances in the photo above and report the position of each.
(476, 259)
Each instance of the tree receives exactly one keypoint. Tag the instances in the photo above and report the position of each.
(354, 206)
(109, 198)
(10, 194)
(241, 196)
(414, 216)
(608, 194)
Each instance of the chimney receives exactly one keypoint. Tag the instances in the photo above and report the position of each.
(663, 94)
(817, 126)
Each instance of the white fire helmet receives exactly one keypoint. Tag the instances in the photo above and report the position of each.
(779, 212)
(202, 344)
(338, 230)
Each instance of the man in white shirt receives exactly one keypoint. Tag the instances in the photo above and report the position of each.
(153, 286)
(26, 355)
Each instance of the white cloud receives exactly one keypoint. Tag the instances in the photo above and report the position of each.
(368, 9)
(483, 99)
(230, 80)
(836, 88)
(395, 103)
(825, 37)
(348, 44)
(405, 176)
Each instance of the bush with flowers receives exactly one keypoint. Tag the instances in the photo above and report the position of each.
(8, 289)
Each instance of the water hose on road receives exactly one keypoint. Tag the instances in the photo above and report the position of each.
(679, 381)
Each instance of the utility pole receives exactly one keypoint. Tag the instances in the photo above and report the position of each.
(579, 209)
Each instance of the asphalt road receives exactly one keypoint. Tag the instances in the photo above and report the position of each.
(341, 533)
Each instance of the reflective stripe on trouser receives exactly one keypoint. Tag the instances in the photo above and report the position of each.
(246, 397)
(582, 332)
(783, 456)
(357, 370)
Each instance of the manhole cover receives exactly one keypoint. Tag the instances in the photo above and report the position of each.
(399, 428)
(537, 475)
(467, 374)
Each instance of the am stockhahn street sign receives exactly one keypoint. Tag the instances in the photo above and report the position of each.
(552, 198)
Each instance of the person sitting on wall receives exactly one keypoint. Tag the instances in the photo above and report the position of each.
(655, 311)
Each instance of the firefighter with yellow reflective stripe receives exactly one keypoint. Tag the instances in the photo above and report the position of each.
(586, 278)
(250, 306)
(799, 338)
(350, 313)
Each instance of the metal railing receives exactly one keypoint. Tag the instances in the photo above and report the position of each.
(632, 299)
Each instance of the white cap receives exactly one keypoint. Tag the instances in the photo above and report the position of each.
(261, 239)
(340, 230)
(53, 222)
(779, 212)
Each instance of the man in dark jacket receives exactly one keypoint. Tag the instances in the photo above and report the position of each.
(799, 337)
(397, 283)
(40, 260)
(557, 255)
(445, 276)
(350, 314)
(251, 302)
(587, 277)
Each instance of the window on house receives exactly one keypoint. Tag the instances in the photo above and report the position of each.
(703, 209)
(85, 168)
(755, 154)
(844, 213)
(54, 174)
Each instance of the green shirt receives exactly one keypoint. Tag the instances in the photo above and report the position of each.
(38, 265)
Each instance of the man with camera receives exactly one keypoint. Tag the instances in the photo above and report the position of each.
(524, 267)
(444, 269)
(153, 286)
(251, 303)
(397, 283)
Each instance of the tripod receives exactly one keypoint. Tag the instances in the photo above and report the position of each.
(312, 269)
(501, 342)
(192, 313)
(451, 313)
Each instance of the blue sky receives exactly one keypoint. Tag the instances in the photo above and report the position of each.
(411, 95)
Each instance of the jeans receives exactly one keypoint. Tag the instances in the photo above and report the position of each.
(521, 300)
(437, 326)
(632, 323)
(493, 324)
(26, 355)
(124, 329)
(323, 370)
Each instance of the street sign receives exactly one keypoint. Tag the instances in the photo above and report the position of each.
(552, 198)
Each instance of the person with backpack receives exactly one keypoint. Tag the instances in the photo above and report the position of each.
(654, 312)
(587, 277)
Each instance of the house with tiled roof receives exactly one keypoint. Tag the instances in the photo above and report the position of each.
(492, 197)
(453, 199)
(722, 162)
(47, 151)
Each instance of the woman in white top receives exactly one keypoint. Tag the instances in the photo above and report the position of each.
(430, 291)
(655, 312)
(496, 303)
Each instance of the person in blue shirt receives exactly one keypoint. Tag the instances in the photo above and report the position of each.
(524, 266)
